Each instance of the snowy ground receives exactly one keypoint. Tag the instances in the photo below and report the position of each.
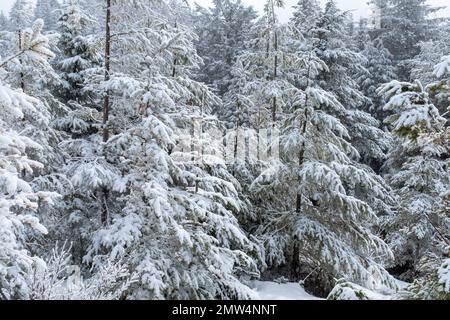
(285, 291)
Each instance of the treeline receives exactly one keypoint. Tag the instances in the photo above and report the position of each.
(102, 198)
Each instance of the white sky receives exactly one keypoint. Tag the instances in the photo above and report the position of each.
(358, 7)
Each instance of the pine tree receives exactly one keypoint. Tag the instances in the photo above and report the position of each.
(79, 53)
(431, 52)
(306, 15)
(3, 22)
(307, 194)
(79, 60)
(49, 11)
(417, 167)
(20, 15)
(379, 69)
(223, 32)
(19, 201)
(404, 25)
(332, 46)
(174, 218)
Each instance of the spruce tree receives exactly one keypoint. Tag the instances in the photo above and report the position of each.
(49, 11)
(20, 15)
(223, 31)
(417, 168)
(308, 194)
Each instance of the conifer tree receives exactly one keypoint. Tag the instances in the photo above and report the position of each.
(307, 194)
(3, 21)
(379, 69)
(404, 24)
(21, 115)
(343, 63)
(223, 32)
(49, 11)
(174, 223)
(20, 15)
(417, 168)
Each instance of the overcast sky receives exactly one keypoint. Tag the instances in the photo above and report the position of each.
(358, 7)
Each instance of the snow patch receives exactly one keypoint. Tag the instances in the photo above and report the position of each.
(285, 291)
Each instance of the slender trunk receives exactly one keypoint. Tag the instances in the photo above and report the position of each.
(295, 267)
(275, 75)
(236, 141)
(175, 61)
(106, 107)
(301, 159)
(22, 81)
(174, 68)
(107, 71)
(301, 156)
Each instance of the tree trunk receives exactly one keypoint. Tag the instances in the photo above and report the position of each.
(21, 75)
(107, 71)
(298, 209)
(275, 76)
(106, 107)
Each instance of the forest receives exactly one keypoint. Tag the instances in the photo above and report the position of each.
(162, 150)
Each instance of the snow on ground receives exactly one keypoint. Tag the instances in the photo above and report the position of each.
(276, 291)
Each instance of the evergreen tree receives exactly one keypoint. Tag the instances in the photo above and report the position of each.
(19, 201)
(20, 15)
(417, 167)
(79, 60)
(306, 15)
(3, 21)
(49, 11)
(173, 221)
(379, 69)
(343, 63)
(223, 32)
(79, 53)
(404, 24)
(307, 194)
(432, 66)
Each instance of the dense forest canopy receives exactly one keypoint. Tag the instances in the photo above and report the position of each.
(163, 150)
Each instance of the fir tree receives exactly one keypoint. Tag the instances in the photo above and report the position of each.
(404, 24)
(19, 201)
(20, 15)
(179, 204)
(307, 196)
(343, 63)
(3, 22)
(378, 70)
(223, 32)
(417, 167)
(49, 11)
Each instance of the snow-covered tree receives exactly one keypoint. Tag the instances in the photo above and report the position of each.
(20, 15)
(79, 51)
(30, 69)
(17, 198)
(417, 168)
(440, 89)
(431, 52)
(318, 190)
(80, 122)
(49, 11)
(60, 280)
(19, 202)
(379, 69)
(306, 15)
(174, 222)
(332, 47)
(223, 32)
(404, 24)
(3, 21)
